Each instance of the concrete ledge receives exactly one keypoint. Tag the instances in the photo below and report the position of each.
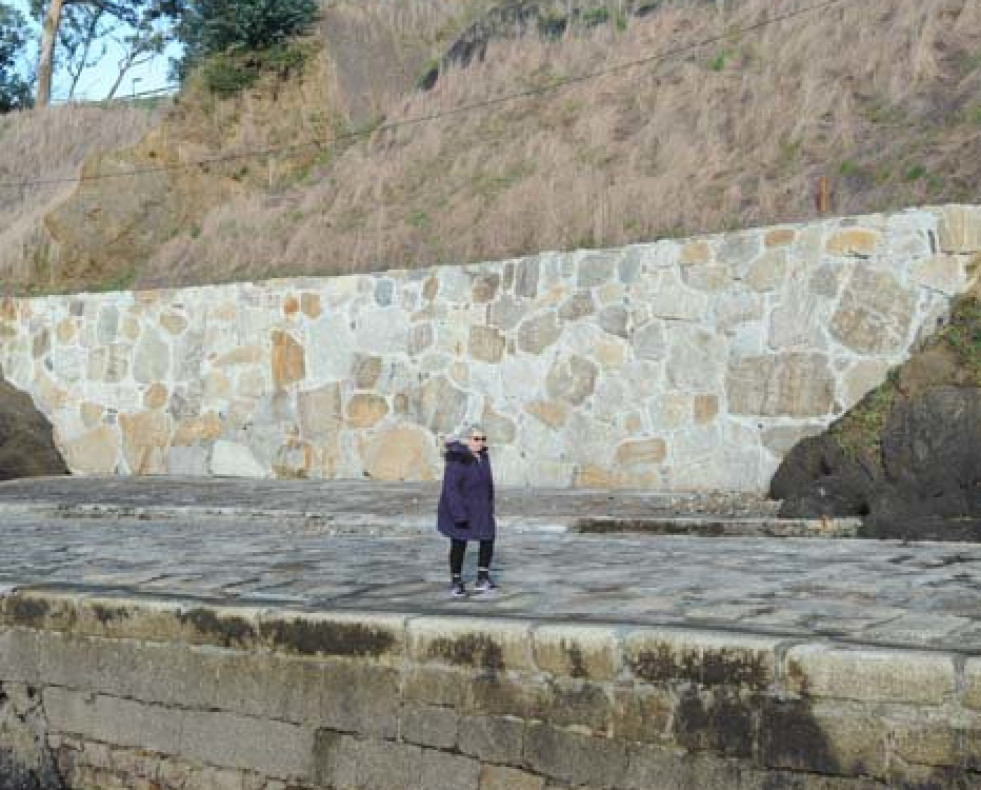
(348, 699)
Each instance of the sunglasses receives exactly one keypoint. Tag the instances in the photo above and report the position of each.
(479, 438)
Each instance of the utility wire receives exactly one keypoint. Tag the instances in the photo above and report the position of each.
(555, 85)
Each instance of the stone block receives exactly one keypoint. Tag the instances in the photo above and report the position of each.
(485, 644)
(495, 777)
(272, 748)
(429, 726)
(356, 697)
(538, 332)
(797, 385)
(575, 758)
(959, 229)
(441, 771)
(659, 768)
(435, 685)
(838, 738)
(269, 686)
(567, 702)
(486, 344)
(19, 658)
(384, 765)
(925, 737)
(577, 651)
(112, 720)
(972, 684)
(870, 675)
(642, 713)
(492, 739)
(708, 658)
(335, 759)
(376, 637)
(858, 242)
(874, 314)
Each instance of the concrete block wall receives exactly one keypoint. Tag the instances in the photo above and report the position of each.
(111, 693)
(678, 365)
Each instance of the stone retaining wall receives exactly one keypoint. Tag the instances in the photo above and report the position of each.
(115, 694)
(678, 365)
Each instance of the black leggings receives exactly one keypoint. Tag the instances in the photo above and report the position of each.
(459, 547)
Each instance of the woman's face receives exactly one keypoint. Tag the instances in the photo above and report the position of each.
(476, 442)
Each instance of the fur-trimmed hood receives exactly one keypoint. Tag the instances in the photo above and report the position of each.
(455, 451)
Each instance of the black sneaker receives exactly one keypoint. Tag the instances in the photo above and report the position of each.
(485, 585)
(457, 590)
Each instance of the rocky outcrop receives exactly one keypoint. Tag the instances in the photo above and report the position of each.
(908, 457)
(26, 445)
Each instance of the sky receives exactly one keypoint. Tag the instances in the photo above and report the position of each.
(96, 82)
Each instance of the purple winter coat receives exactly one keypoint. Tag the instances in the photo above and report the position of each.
(466, 506)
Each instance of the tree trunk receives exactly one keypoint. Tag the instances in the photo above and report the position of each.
(45, 66)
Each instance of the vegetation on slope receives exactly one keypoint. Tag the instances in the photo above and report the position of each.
(713, 137)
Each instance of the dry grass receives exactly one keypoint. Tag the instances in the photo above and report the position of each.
(883, 98)
(879, 96)
(51, 145)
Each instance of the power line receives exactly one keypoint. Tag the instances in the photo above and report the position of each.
(555, 85)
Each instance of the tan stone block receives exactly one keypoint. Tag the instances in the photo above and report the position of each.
(310, 305)
(365, 410)
(960, 229)
(593, 476)
(779, 237)
(972, 683)
(571, 379)
(610, 354)
(485, 287)
(227, 311)
(173, 323)
(584, 652)
(641, 451)
(768, 272)
(91, 414)
(874, 314)
(495, 777)
(366, 370)
(709, 658)
(130, 328)
(538, 332)
(243, 355)
(870, 675)
(194, 430)
(94, 453)
(320, 412)
(500, 429)
(400, 453)
(696, 252)
(145, 438)
(288, 360)
(553, 413)
(642, 713)
(155, 396)
(459, 373)
(791, 384)
(291, 305)
(944, 273)
(859, 242)
(487, 644)
(217, 386)
(66, 330)
(486, 344)
(706, 408)
(435, 685)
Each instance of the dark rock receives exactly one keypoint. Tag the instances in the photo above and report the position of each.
(26, 445)
(908, 457)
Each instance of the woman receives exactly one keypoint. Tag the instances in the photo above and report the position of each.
(466, 509)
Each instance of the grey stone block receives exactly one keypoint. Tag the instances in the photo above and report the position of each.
(272, 748)
(115, 721)
(441, 771)
(360, 697)
(19, 655)
(575, 758)
(429, 726)
(493, 739)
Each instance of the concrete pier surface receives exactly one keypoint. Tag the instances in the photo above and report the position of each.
(180, 635)
(369, 546)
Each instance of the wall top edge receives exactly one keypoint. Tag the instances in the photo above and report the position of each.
(191, 621)
(936, 213)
